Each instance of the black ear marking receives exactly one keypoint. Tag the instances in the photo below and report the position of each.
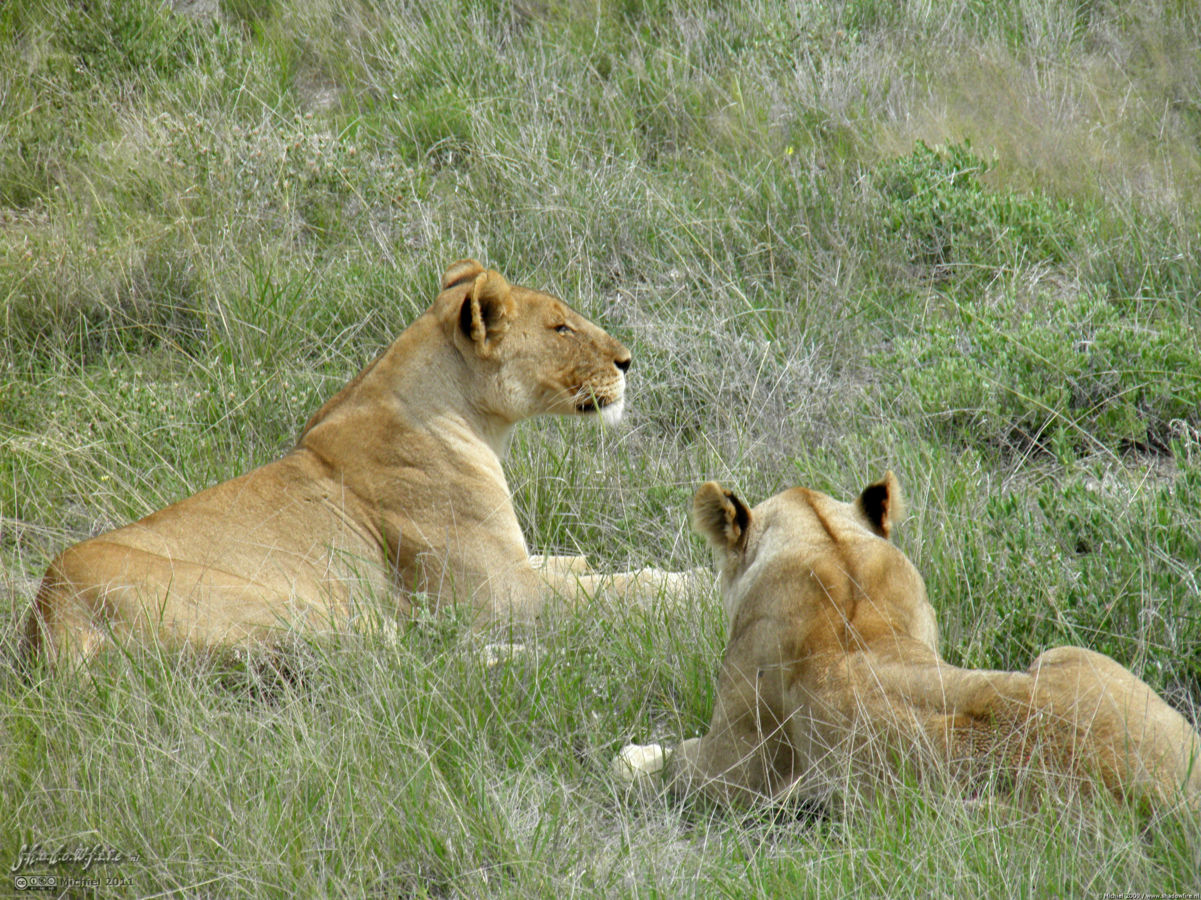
(874, 501)
(465, 317)
(882, 504)
(484, 315)
(720, 516)
(487, 312)
(742, 515)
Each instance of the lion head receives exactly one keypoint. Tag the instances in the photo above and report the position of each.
(802, 537)
(529, 351)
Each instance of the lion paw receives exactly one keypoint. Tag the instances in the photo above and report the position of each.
(638, 761)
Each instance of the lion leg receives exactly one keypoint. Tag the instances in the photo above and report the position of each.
(641, 588)
(100, 589)
(691, 769)
(1117, 728)
(561, 566)
(60, 628)
(732, 773)
(637, 764)
(744, 758)
(656, 583)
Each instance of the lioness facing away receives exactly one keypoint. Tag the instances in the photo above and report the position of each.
(394, 489)
(831, 683)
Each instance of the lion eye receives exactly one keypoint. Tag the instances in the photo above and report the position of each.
(564, 329)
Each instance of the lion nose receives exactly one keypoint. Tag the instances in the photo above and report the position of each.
(623, 364)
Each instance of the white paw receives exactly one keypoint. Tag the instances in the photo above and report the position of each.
(637, 761)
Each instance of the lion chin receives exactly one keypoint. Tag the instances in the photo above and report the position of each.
(393, 496)
(832, 689)
(611, 413)
(608, 412)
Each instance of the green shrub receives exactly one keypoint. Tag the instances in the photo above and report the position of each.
(950, 225)
(1068, 374)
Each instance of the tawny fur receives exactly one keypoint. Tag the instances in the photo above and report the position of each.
(394, 490)
(832, 686)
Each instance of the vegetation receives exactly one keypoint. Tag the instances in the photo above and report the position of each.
(951, 238)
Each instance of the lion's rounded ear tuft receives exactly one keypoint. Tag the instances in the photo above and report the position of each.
(486, 311)
(459, 272)
(720, 516)
(882, 504)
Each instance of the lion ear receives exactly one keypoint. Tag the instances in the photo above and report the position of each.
(882, 504)
(486, 310)
(720, 516)
(460, 271)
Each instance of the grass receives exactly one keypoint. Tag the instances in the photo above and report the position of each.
(954, 239)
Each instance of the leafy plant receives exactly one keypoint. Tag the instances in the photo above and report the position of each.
(949, 224)
(1068, 374)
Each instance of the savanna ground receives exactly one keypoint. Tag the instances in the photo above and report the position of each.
(953, 238)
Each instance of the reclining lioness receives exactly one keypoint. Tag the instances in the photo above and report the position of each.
(832, 683)
(394, 489)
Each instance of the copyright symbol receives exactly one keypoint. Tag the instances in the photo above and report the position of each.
(20, 882)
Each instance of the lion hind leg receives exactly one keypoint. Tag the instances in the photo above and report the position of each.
(60, 628)
(99, 591)
(1119, 730)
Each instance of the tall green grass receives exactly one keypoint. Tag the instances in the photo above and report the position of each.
(954, 239)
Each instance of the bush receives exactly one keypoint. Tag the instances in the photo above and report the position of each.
(1067, 374)
(949, 224)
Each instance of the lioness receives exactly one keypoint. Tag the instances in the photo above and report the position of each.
(394, 488)
(832, 681)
